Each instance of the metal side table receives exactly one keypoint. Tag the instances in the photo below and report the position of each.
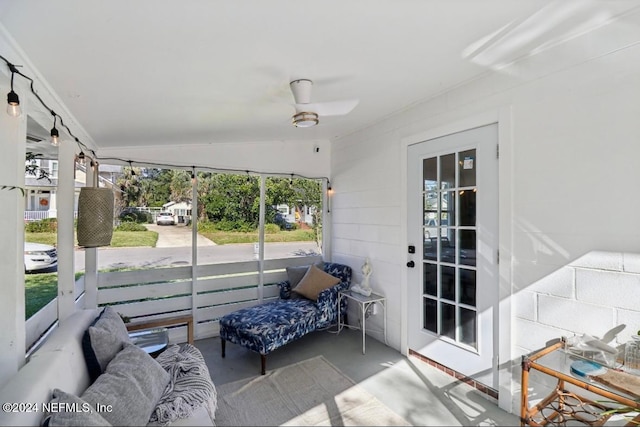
(363, 302)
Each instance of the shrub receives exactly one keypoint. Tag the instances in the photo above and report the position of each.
(48, 225)
(130, 226)
(136, 216)
(226, 225)
(271, 228)
(206, 226)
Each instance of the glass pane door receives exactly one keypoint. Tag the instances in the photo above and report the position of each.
(449, 258)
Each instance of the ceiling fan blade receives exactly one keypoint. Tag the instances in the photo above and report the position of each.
(333, 108)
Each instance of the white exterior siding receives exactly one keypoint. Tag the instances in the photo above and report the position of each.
(568, 130)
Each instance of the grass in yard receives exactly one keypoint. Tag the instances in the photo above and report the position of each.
(124, 239)
(228, 237)
(39, 290)
(121, 239)
(45, 238)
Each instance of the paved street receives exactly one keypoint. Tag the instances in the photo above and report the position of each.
(176, 250)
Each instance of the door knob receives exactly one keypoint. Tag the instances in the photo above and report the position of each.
(411, 264)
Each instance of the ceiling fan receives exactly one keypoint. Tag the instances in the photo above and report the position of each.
(308, 113)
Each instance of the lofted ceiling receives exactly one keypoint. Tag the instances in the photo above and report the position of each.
(153, 72)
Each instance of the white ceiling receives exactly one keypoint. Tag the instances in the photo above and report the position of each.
(150, 72)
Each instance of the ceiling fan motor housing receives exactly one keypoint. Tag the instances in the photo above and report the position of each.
(301, 89)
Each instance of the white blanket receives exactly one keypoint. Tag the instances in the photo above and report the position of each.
(190, 385)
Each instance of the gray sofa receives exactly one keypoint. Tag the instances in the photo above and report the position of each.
(60, 365)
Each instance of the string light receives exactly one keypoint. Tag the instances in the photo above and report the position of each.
(13, 103)
(13, 100)
(13, 108)
(55, 135)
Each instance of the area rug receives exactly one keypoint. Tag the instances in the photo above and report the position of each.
(308, 393)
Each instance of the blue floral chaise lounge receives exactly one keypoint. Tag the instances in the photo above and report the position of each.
(266, 327)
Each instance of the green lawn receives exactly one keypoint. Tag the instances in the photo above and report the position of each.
(228, 237)
(40, 289)
(121, 239)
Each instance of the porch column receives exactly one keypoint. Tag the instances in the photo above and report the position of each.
(13, 134)
(66, 236)
(53, 204)
(194, 251)
(263, 184)
(327, 195)
(90, 256)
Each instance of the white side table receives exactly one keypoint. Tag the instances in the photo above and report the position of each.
(363, 302)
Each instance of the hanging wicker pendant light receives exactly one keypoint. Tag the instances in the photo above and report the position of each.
(95, 217)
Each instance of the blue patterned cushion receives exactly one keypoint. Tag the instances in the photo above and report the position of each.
(265, 327)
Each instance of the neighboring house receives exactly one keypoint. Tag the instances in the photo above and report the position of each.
(40, 194)
(293, 214)
(181, 211)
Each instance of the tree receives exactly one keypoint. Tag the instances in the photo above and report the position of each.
(299, 193)
(131, 187)
(180, 186)
(157, 185)
(233, 199)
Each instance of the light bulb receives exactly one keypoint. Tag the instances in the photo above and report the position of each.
(13, 104)
(81, 158)
(55, 137)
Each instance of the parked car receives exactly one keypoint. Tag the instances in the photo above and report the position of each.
(38, 257)
(165, 218)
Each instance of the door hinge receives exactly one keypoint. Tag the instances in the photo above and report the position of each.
(497, 256)
(497, 151)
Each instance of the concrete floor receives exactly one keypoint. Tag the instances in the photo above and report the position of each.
(420, 393)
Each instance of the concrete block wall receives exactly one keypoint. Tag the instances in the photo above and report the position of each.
(592, 294)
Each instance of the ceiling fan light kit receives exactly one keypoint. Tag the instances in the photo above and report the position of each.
(305, 120)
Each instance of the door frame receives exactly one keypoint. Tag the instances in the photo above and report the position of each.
(443, 126)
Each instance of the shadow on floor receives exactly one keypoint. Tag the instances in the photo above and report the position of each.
(418, 392)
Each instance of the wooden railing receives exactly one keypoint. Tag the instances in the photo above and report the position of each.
(144, 295)
(150, 294)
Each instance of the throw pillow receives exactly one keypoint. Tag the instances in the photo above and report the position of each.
(314, 282)
(103, 340)
(132, 384)
(295, 274)
(73, 412)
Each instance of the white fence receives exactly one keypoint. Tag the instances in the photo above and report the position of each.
(166, 292)
(40, 215)
(37, 215)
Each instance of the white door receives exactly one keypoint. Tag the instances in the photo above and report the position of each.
(453, 235)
